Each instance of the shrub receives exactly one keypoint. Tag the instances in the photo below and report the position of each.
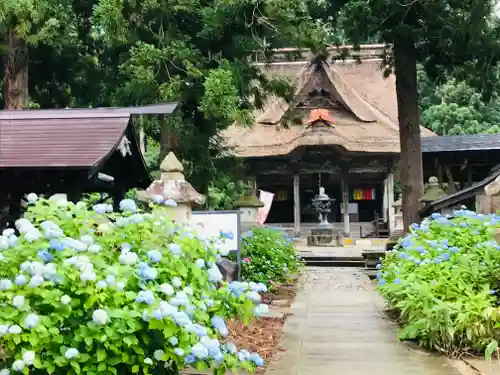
(268, 256)
(443, 281)
(98, 292)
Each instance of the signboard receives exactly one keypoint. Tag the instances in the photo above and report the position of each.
(266, 198)
(214, 223)
(352, 208)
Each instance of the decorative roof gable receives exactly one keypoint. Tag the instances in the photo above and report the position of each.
(356, 95)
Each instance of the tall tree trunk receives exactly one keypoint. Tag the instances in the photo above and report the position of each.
(169, 139)
(15, 81)
(409, 127)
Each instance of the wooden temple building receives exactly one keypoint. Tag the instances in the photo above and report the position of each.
(72, 151)
(340, 131)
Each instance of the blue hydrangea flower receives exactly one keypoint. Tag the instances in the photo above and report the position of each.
(148, 273)
(158, 354)
(254, 296)
(158, 199)
(256, 359)
(65, 300)
(166, 289)
(29, 357)
(243, 355)
(56, 245)
(214, 274)
(175, 249)
(99, 208)
(20, 280)
(3, 329)
(220, 325)
(173, 340)
(32, 198)
(101, 284)
(179, 352)
(145, 296)
(154, 256)
(18, 365)
(199, 351)
(71, 353)
(176, 282)
(15, 329)
(200, 263)
(128, 258)
(5, 284)
(181, 318)
(94, 248)
(128, 205)
(180, 299)
(189, 359)
(18, 302)
(100, 317)
(230, 348)
(45, 256)
(31, 321)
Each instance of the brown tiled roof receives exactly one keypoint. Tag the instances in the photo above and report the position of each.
(60, 138)
(367, 123)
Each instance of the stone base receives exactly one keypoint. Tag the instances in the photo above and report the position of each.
(325, 236)
(372, 258)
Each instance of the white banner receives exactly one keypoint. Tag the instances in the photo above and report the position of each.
(266, 198)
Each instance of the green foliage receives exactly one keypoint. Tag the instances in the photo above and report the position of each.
(455, 107)
(98, 292)
(223, 192)
(268, 256)
(443, 281)
(199, 53)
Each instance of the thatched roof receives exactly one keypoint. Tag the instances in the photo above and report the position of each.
(360, 100)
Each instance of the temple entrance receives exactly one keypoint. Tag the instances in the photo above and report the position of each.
(365, 198)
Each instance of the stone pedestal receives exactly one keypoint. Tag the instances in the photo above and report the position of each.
(248, 206)
(324, 235)
(398, 217)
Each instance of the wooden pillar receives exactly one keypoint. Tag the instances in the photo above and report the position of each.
(345, 207)
(117, 194)
(296, 205)
(390, 203)
(385, 200)
(469, 175)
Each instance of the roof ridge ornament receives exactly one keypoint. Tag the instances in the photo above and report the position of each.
(320, 115)
(124, 146)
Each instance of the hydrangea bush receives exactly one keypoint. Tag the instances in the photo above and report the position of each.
(98, 292)
(268, 256)
(443, 280)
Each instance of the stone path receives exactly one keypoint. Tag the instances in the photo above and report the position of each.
(338, 327)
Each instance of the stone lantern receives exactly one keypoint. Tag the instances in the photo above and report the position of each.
(177, 196)
(433, 192)
(398, 216)
(248, 206)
